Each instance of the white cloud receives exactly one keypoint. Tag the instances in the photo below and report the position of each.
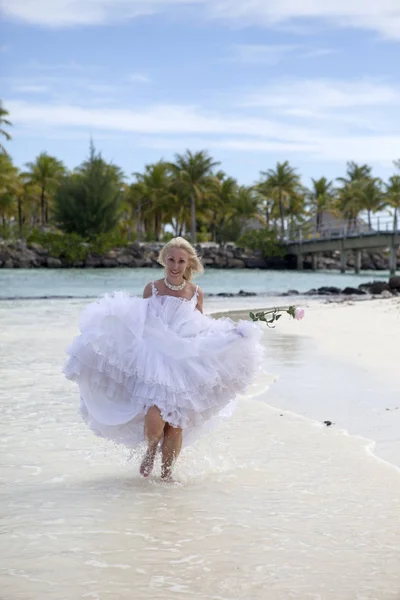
(137, 78)
(319, 120)
(31, 89)
(302, 97)
(257, 53)
(382, 16)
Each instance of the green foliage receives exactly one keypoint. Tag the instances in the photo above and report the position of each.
(261, 239)
(203, 235)
(69, 247)
(168, 235)
(88, 202)
(105, 242)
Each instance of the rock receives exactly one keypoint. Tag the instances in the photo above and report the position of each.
(377, 287)
(8, 264)
(126, 261)
(235, 263)
(38, 249)
(293, 293)
(246, 294)
(109, 263)
(93, 262)
(53, 263)
(208, 262)
(394, 282)
(328, 291)
(255, 263)
(353, 291)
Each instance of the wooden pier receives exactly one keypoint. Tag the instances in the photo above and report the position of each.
(355, 242)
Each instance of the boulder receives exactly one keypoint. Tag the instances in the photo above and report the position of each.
(328, 291)
(377, 287)
(394, 283)
(53, 263)
(255, 263)
(109, 263)
(126, 260)
(236, 263)
(93, 262)
(348, 291)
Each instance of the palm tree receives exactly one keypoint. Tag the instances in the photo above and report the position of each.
(3, 121)
(193, 174)
(349, 201)
(351, 193)
(47, 172)
(356, 172)
(321, 196)
(222, 194)
(156, 195)
(282, 183)
(392, 196)
(372, 198)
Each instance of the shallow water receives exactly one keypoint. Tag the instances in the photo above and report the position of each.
(26, 283)
(269, 506)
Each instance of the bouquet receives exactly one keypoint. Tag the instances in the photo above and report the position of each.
(271, 315)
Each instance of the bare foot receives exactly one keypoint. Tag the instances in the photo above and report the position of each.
(147, 464)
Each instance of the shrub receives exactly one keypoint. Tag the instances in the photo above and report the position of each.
(263, 240)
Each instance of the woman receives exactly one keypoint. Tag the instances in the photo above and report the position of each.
(157, 368)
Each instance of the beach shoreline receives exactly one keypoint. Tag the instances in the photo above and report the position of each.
(351, 344)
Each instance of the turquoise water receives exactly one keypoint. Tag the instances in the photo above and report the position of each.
(90, 283)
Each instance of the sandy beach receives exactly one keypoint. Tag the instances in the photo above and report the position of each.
(272, 505)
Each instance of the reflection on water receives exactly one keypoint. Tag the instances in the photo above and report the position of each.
(269, 506)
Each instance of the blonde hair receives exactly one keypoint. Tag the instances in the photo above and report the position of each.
(194, 267)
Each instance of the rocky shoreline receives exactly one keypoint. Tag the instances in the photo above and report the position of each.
(19, 255)
(373, 288)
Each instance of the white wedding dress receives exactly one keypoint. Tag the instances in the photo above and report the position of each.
(134, 353)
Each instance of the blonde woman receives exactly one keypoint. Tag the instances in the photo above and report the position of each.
(157, 369)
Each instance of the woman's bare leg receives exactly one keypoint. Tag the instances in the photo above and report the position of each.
(171, 448)
(153, 430)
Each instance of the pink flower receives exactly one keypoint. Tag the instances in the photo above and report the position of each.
(299, 314)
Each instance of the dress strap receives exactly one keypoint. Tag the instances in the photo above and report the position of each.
(154, 290)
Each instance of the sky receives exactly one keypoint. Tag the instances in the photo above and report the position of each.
(255, 82)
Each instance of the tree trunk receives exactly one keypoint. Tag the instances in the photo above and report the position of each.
(369, 219)
(318, 221)
(139, 223)
(42, 208)
(395, 219)
(20, 216)
(267, 215)
(282, 216)
(193, 218)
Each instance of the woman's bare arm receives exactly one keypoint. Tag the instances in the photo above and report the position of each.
(200, 300)
(147, 292)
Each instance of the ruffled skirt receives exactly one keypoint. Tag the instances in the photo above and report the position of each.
(134, 353)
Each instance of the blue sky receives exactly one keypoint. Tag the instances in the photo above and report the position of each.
(256, 82)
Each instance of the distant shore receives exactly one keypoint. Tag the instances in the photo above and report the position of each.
(20, 255)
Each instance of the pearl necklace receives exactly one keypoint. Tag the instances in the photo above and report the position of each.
(174, 288)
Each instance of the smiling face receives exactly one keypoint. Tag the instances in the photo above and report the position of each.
(176, 263)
